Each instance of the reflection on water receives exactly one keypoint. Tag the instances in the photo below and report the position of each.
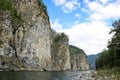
(31, 75)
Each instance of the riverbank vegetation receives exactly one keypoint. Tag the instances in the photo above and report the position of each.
(111, 58)
(108, 63)
(112, 74)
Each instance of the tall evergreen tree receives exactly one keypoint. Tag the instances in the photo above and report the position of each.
(114, 45)
(111, 58)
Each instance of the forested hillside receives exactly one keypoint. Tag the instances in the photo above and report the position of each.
(91, 60)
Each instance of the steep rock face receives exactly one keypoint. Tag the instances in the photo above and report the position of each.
(78, 59)
(60, 52)
(5, 38)
(26, 44)
(38, 32)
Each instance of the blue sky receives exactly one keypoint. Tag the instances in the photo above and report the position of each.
(87, 22)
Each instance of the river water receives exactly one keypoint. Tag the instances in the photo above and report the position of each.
(53, 75)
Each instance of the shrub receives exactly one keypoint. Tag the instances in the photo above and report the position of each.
(42, 6)
(61, 38)
(10, 5)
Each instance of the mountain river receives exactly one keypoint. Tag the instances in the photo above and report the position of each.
(52, 75)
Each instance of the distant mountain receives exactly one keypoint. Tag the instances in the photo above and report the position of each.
(92, 59)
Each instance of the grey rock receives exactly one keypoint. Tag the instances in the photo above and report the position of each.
(78, 59)
(60, 52)
(31, 44)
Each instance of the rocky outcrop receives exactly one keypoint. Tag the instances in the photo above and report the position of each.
(78, 59)
(28, 43)
(60, 52)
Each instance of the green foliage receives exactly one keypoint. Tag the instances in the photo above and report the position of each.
(58, 40)
(114, 45)
(42, 6)
(61, 38)
(10, 5)
(103, 60)
(6, 5)
(75, 50)
(112, 74)
(111, 57)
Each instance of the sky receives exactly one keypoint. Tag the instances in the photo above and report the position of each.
(86, 22)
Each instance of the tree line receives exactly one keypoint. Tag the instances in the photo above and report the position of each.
(110, 58)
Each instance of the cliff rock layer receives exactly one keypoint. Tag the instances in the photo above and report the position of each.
(78, 59)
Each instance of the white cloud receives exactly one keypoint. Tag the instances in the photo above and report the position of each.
(86, 1)
(59, 2)
(85, 10)
(111, 11)
(67, 6)
(70, 6)
(103, 12)
(92, 37)
(104, 1)
(56, 25)
(77, 15)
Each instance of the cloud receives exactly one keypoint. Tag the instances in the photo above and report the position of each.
(104, 1)
(98, 11)
(56, 25)
(77, 15)
(92, 37)
(67, 6)
(70, 6)
(86, 1)
(59, 2)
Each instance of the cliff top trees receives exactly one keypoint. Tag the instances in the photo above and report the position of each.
(61, 37)
(75, 50)
(42, 6)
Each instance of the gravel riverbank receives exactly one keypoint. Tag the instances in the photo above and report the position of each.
(106, 75)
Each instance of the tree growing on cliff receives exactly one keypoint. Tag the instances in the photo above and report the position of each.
(42, 6)
(59, 49)
(61, 37)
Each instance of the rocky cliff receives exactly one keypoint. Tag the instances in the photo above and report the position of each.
(25, 44)
(78, 59)
(60, 52)
(27, 41)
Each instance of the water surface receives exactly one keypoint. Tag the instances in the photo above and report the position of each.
(53, 75)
